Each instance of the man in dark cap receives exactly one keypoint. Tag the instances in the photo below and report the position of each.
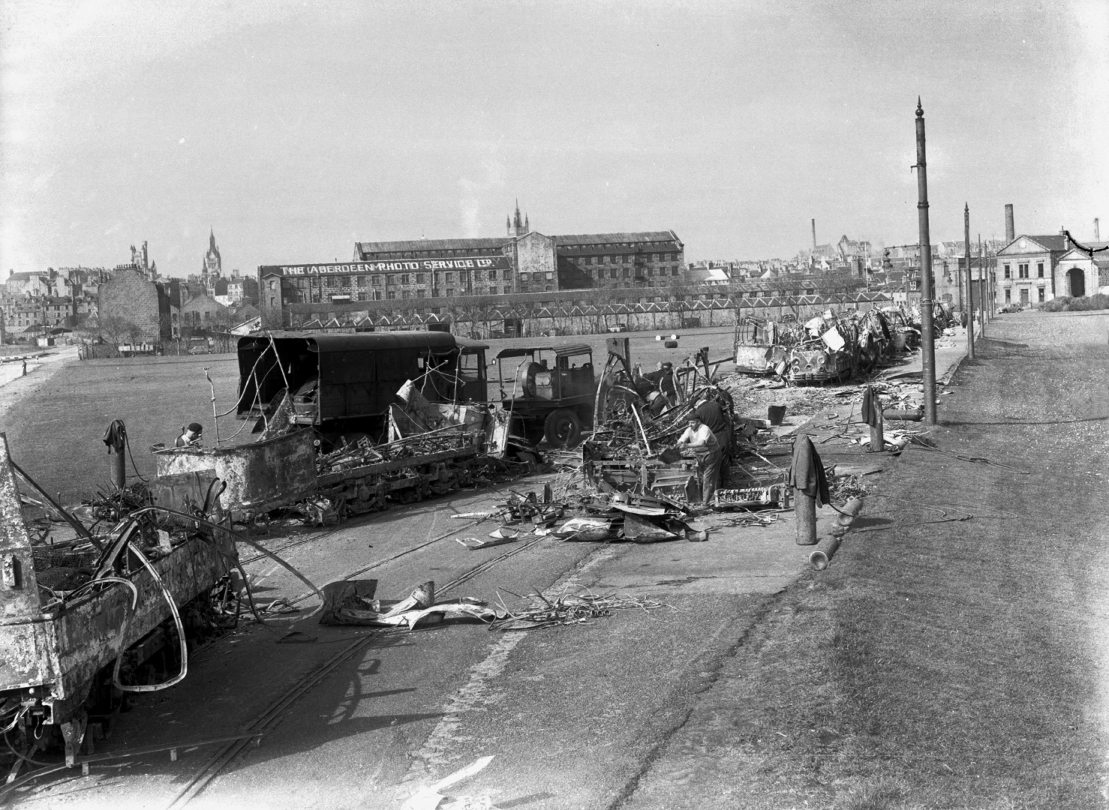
(190, 436)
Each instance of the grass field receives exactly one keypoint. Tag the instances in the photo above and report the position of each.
(56, 433)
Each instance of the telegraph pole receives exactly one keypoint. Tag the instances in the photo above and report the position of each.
(970, 281)
(985, 285)
(959, 301)
(927, 332)
(993, 281)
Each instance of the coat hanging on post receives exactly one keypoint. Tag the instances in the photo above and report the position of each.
(806, 473)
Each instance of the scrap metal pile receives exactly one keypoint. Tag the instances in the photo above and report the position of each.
(580, 608)
(586, 516)
(299, 472)
(361, 476)
(639, 419)
(353, 603)
(633, 450)
(825, 348)
(363, 452)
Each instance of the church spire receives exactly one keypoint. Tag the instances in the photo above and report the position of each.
(212, 266)
(517, 224)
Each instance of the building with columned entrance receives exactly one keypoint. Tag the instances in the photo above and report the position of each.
(1026, 269)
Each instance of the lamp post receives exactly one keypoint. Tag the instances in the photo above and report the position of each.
(927, 332)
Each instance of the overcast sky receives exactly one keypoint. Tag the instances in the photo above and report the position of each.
(296, 129)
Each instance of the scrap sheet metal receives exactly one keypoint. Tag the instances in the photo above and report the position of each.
(22, 642)
(62, 643)
(260, 476)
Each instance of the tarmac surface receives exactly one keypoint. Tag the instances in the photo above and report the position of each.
(41, 364)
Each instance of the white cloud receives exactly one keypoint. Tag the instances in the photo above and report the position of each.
(474, 191)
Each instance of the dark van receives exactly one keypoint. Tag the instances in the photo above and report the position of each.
(346, 382)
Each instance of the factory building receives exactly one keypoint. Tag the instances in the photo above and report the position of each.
(619, 260)
(521, 261)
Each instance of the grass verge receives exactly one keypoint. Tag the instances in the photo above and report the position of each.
(950, 656)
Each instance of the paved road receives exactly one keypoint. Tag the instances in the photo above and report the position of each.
(41, 364)
(589, 700)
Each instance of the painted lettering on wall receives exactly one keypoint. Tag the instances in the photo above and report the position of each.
(394, 266)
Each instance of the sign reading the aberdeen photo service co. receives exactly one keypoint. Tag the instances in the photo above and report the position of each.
(392, 266)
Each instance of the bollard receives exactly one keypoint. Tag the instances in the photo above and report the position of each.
(877, 434)
(115, 437)
(118, 469)
(804, 508)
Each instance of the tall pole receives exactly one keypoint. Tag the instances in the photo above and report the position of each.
(970, 282)
(993, 283)
(958, 286)
(927, 333)
(984, 289)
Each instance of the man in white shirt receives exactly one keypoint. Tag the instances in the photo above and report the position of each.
(706, 448)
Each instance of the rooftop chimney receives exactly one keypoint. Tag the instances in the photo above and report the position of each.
(1010, 229)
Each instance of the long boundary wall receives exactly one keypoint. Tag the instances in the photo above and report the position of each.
(578, 319)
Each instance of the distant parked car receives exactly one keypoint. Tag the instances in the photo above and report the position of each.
(1010, 308)
(620, 327)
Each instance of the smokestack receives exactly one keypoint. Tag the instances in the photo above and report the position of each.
(814, 234)
(1010, 229)
(1097, 230)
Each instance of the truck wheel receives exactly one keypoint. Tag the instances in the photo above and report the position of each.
(562, 428)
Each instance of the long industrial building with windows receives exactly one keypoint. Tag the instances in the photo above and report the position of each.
(442, 270)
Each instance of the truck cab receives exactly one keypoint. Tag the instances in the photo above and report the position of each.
(548, 391)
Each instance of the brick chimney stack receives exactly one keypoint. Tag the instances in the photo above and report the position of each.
(1010, 228)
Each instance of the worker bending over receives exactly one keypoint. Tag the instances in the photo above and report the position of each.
(706, 449)
(719, 421)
